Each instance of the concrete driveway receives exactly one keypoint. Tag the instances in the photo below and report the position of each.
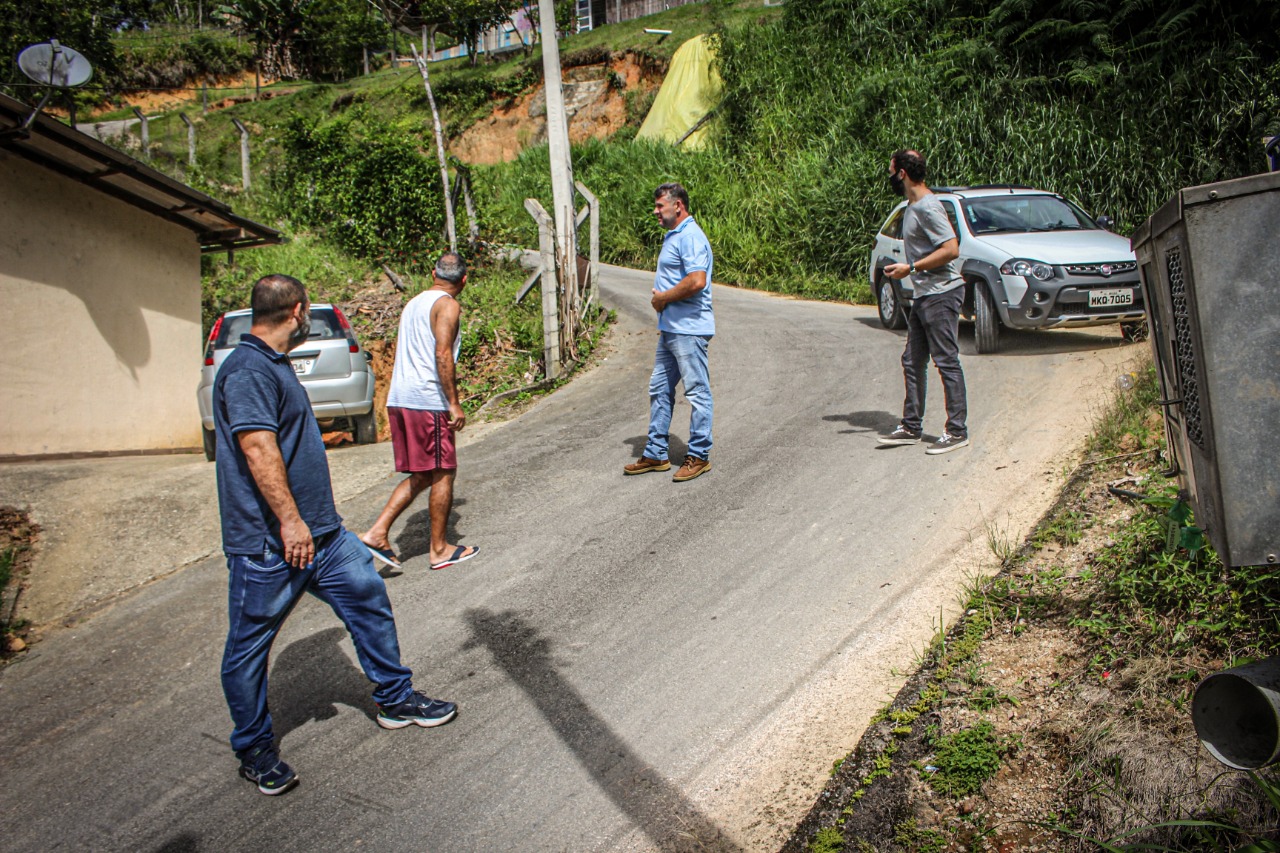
(639, 664)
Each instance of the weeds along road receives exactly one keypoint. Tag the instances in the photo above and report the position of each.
(639, 664)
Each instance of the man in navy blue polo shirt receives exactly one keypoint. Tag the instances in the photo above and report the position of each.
(682, 299)
(283, 537)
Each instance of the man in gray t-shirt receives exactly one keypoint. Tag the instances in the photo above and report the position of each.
(931, 248)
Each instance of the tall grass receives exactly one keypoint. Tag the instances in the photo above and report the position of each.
(1114, 105)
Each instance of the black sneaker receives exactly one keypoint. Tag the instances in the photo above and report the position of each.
(416, 710)
(263, 767)
(901, 435)
(948, 443)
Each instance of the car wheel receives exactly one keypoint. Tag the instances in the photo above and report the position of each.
(891, 314)
(366, 428)
(1134, 332)
(210, 444)
(986, 320)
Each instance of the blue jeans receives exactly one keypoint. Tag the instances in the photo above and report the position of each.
(263, 591)
(680, 357)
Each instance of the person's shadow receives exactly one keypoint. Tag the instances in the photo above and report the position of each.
(676, 448)
(311, 677)
(415, 537)
(654, 805)
(869, 421)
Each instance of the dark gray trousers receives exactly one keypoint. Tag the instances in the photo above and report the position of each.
(932, 331)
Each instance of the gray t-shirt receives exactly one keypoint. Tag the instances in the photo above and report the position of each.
(925, 227)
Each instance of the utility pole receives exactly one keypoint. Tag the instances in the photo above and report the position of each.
(561, 163)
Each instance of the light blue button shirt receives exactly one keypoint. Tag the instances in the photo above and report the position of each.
(685, 249)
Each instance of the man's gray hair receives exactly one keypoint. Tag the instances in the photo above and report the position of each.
(674, 191)
(451, 267)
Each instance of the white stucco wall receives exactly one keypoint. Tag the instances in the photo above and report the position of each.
(99, 320)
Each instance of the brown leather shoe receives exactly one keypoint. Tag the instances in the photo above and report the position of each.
(692, 467)
(644, 465)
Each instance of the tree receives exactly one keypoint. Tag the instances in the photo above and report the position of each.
(273, 26)
(465, 20)
(84, 25)
(334, 36)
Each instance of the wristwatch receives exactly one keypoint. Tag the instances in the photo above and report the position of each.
(912, 271)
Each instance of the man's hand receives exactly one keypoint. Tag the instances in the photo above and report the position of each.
(658, 301)
(897, 271)
(457, 417)
(299, 549)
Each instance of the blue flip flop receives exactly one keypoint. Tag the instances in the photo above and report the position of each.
(386, 555)
(457, 557)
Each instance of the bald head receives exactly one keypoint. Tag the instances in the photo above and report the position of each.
(274, 297)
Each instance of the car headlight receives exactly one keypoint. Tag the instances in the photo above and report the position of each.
(1030, 269)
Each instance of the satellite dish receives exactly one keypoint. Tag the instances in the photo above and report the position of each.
(55, 65)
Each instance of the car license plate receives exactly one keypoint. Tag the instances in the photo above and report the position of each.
(302, 366)
(1109, 298)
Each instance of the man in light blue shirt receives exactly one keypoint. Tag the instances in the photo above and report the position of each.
(682, 298)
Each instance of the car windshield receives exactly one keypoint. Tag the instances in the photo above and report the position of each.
(1024, 213)
(324, 327)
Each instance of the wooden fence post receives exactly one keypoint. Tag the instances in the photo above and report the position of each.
(244, 152)
(593, 207)
(549, 285)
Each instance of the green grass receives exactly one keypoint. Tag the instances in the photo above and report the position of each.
(7, 556)
(965, 759)
(329, 274)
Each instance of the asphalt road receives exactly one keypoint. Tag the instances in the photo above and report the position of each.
(639, 664)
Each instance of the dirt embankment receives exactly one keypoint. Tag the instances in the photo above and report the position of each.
(596, 99)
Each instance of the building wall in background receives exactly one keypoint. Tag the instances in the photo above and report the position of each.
(99, 321)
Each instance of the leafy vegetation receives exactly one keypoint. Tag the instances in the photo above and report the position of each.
(963, 760)
(366, 186)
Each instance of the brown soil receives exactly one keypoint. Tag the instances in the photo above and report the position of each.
(18, 534)
(1092, 747)
(220, 91)
(596, 106)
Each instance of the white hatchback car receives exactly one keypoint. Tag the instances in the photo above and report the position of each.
(332, 367)
(1030, 260)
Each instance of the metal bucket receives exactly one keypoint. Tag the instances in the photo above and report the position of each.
(1237, 714)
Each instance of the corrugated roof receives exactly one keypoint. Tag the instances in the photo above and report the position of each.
(82, 158)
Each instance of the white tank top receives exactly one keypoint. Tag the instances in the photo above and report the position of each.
(415, 382)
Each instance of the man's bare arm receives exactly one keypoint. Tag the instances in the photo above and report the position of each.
(689, 286)
(941, 256)
(444, 325)
(262, 452)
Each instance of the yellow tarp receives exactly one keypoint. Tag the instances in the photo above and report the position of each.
(690, 91)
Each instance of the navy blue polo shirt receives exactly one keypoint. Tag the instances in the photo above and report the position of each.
(256, 389)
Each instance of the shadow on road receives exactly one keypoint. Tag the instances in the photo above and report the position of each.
(676, 449)
(184, 843)
(415, 538)
(1022, 341)
(869, 421)
(311, 677)
(654, 805)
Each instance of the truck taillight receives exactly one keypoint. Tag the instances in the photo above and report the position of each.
(213, 336)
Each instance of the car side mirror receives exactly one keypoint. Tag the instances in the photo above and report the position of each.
(1106, 223)
(368, 356)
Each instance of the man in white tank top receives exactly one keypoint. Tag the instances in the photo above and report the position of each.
(424, 413)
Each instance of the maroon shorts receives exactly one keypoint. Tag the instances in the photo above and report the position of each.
(421, 440)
